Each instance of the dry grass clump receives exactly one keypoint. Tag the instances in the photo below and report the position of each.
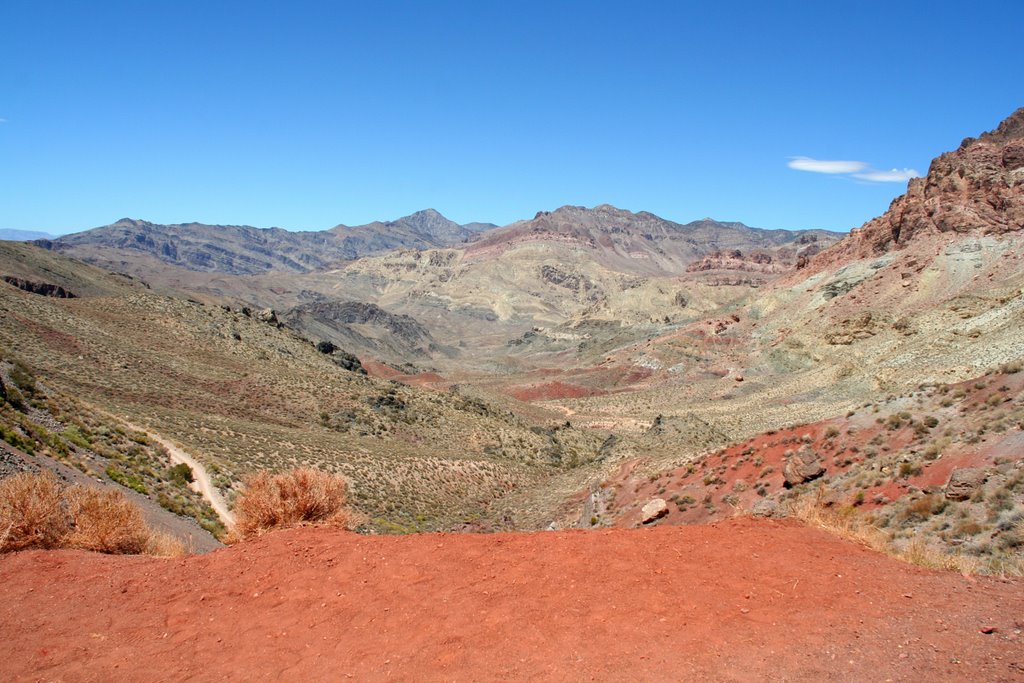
(36, 511)
(850, 524)
(845, 522)
(299, 496)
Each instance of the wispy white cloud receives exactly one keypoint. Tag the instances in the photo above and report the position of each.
(822, 166)
(3, 120)
(860, 170)
(896, 175)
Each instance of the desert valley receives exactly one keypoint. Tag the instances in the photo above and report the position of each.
(589, 445)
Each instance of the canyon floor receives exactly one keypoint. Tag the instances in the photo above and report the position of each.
(742, 599)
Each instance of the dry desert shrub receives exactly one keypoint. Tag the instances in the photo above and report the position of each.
(32, 514)
(36, 511)
(850, 524)
(299, 496)
(846, 523)
(105, 521)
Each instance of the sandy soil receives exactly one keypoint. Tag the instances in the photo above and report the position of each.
(740, 600)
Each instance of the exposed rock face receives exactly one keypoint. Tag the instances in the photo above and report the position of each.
(347, 361)
(804, 465)
(654, 510)
(41, 288)
(353, 312)
(977, 188)
(757, 262)
(363, 328)
(765, 508)
(963, 482)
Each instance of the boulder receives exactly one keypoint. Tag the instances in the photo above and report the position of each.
(765, 507)
(803, 466)
(964, 481)
(267, 315)
(656, 509)
(348, 361)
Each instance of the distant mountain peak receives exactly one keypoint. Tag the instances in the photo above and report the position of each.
(432, 213)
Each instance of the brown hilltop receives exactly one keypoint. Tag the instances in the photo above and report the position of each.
(978, 188)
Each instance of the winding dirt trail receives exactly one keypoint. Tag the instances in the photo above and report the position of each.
(743, 600)
(201, 483)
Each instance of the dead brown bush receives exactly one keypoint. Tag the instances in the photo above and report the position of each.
(36, 511)
(299, 496)
(32, 514)
(105, 521)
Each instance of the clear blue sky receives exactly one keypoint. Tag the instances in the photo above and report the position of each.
(308, 114)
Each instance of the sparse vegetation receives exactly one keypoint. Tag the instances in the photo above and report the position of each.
(36, 511)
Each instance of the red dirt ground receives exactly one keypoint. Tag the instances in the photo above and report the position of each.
(550, 391)
(740, 600)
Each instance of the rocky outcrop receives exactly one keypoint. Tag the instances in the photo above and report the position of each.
(41, 288)
(978, 188)
(765, 507)
(735, 259)
(365, 329)
(802, 466)
(268, 316)
(963, 482)
(404, 327)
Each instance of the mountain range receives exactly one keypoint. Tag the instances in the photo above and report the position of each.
(245, 250)
(558, 268)
(23, 235)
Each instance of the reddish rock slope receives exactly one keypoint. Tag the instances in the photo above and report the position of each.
(741, 600)
(977, 188)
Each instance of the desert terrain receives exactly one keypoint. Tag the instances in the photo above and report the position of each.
(591, 445)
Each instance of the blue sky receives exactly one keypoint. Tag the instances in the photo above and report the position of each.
(304, 115)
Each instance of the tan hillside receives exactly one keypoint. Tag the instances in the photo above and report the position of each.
(241, 394)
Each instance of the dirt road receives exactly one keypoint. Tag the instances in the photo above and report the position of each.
(201, 483)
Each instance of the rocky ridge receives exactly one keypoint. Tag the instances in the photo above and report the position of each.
(977, 188)
(245, 250)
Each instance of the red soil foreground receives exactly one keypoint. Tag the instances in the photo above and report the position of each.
(739, 600)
